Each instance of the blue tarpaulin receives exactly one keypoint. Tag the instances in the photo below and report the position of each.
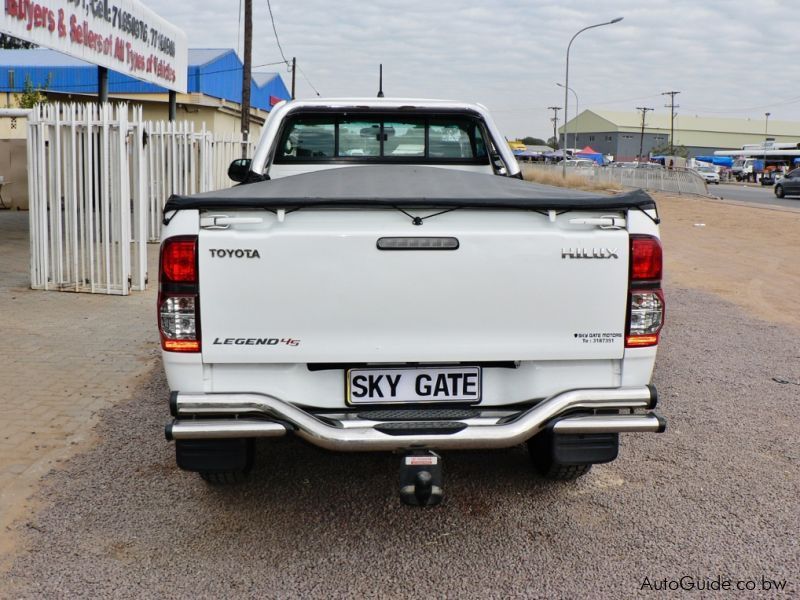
(596, 157)
(722, 161)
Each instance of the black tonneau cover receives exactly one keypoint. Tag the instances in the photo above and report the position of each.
(407, 186)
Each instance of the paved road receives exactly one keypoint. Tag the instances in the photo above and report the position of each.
(754, 194)
(717, 495)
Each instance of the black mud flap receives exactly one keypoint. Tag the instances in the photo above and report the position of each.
(579, 449)
(421, 478)
(215, 455)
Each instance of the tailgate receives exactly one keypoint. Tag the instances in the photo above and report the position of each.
(315, 288)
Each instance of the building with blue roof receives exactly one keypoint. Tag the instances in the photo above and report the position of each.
(213, 99)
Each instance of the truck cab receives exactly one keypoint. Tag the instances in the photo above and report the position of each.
(311, 135)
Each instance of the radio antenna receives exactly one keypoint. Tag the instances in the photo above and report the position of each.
(380, 81)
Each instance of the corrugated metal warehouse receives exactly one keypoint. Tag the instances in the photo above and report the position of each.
(618, 133)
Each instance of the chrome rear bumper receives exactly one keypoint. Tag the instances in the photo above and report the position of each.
(199, 416)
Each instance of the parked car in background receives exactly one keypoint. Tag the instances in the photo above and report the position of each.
(745, 169)
(581, 163)
(709, 174)
(789, 185)
(771, 177)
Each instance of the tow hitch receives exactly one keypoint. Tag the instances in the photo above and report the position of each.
(421, 478)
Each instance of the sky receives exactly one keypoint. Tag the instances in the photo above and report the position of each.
(728, 58)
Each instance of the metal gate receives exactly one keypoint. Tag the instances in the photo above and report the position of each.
(99, 177)
(86, 193)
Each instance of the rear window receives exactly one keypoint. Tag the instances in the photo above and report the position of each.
(382, 139)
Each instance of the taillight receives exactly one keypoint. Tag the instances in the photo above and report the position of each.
(646, 299)
(178, 299)
(646, 260)
(179, 259)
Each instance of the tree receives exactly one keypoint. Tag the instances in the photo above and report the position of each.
(31, 95)
(551, 141)
(533, 141)
(11, 43)
(681, 151)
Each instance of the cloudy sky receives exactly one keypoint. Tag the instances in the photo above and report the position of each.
(733, 58)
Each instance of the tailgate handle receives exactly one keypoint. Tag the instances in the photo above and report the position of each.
(224, 221)
(604, 222)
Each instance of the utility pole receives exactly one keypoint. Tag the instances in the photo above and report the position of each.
(294, 74)
(641, 136)
(248, 61)
(671, 106)
(555, 110)
(766, 129)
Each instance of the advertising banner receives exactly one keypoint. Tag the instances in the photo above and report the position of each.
(122, 35)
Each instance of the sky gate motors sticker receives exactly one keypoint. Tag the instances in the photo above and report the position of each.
(599, 338)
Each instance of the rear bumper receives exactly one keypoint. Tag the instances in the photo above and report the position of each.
(245, 415)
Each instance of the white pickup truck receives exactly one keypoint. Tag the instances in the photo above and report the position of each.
(384, 281)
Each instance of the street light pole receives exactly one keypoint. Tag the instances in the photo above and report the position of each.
(577, 112)
(566, 84)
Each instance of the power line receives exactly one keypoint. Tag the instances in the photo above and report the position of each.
(743, 109)
(294, 61)
(308, 81)
(274, 29)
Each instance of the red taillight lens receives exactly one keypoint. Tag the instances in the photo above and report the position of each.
(646, 258)
(178, 300)
(179, 259)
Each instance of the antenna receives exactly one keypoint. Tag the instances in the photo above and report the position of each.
(380, 81)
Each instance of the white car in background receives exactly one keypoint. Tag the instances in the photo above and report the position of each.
(581, 163)
(709, 174)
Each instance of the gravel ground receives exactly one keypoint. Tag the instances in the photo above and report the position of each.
(715, 495)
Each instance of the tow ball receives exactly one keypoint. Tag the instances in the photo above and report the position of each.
(421, 478)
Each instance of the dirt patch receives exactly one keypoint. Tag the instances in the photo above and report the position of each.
(745, 255)
(571, 181)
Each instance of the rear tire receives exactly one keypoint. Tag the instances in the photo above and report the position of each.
(540, 450)
(556, 472)
(779, 191)
(223, 477)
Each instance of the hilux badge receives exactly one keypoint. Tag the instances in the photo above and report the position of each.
(589, 253)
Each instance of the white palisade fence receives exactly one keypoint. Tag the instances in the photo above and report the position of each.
(86, 198)
(680, 181)
(226, 149)
(99, 176)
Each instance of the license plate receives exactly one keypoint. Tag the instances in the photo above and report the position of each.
(435, 384)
